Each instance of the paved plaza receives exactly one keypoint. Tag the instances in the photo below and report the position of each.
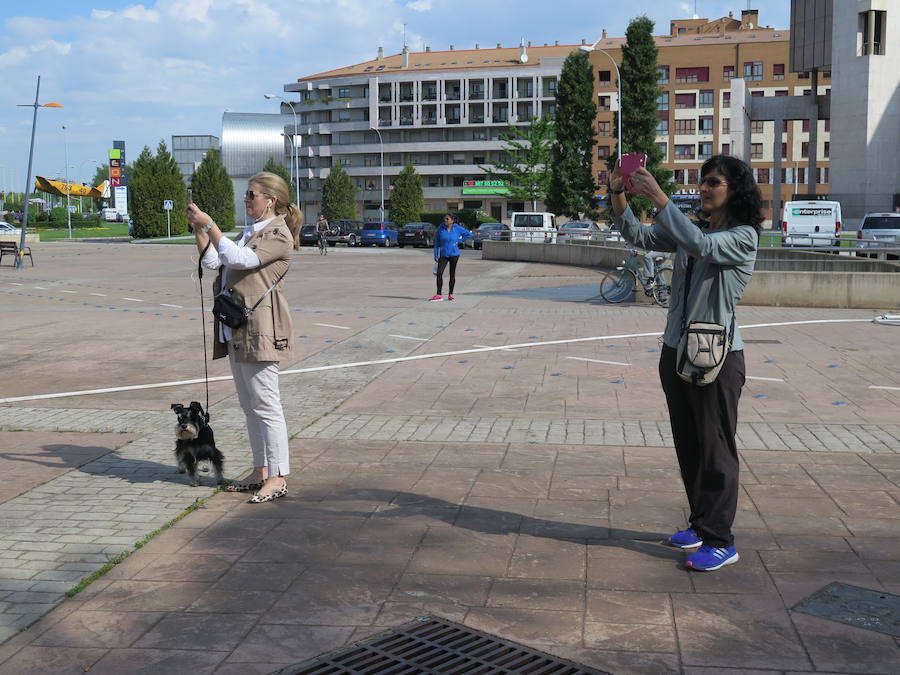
(503, 461)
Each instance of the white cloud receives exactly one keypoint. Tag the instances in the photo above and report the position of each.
(421, 5)
(140, 13)
(101, 14)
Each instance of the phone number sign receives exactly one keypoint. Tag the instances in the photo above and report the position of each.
(485, 187)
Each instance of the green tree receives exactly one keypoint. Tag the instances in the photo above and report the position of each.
(155, 179)
(407, 198)
(525, 165)
(213, 191)
(171, 182)
(572, 189)
(638, 106)
(273, 166)
(338, 194)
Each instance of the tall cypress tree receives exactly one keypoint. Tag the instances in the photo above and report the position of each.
(572, 189)
(171, 185)
(407, 199)
(272, 166)
(338, 194)
(638, 106)
(142, 197)
(213, 191)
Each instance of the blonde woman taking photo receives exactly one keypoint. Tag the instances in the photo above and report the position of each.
(253, 267)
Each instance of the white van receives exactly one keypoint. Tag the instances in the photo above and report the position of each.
(535, 226)
(110, 215)
(811, 223)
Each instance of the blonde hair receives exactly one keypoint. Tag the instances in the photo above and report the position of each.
(273, 185)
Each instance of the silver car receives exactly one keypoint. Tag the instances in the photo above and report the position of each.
(578, 230)
(879, 231)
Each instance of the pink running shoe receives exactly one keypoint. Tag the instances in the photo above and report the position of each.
(435, 298)
(451, 297)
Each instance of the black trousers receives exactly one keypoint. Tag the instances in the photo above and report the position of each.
(704, 422)
(442, 263)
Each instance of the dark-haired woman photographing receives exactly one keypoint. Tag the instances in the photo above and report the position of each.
(715, 261)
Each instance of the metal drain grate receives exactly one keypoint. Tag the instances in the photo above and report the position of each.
(860, 607)
(434, 645)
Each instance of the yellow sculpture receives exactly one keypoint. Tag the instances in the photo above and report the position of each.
(58, 187)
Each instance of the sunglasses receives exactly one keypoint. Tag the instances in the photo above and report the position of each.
(251, 195)
(712, 181)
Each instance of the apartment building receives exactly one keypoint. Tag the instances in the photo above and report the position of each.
(696, 63)
(445, 111)
(189, 151)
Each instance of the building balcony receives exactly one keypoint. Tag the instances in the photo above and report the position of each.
(385, 123)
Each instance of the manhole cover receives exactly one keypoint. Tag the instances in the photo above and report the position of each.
(860, 607)
(434, 645)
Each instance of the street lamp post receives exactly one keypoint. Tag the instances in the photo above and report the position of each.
(68, 187)
(294, 158)
(381, 146)
(20, 259)
(595, 48)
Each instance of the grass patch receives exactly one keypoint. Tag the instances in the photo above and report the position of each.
(93, 232)
(115, 560)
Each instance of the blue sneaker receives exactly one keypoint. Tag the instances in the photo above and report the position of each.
(710, 558)
(685, 539)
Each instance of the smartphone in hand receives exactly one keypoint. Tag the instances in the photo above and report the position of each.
(629, 163)
(190, 196)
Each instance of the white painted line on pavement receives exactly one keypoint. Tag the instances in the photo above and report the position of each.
(163, 304)
(331, 325)
(505, 349)
(15, 283)
(409, 337)
(874, 386)
(62, 291)
(133, 299)
(99, 295)
(41, 288)
(399, 359)
(611, 363)
(765, 379)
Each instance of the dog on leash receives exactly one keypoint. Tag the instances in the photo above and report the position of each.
(195, 443)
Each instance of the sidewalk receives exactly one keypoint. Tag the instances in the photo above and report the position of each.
(522, 493)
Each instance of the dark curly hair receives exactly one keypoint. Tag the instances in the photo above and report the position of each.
(744, 205)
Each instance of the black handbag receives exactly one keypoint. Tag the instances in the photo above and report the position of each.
(230, 309)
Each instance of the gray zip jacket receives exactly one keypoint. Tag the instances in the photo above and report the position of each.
(723, 265)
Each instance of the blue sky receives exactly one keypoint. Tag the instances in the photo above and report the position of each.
(142, 72)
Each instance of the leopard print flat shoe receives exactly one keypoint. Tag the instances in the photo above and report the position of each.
(238, 486)
(271, 497)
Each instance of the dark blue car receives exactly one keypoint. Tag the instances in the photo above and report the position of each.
(380, 234)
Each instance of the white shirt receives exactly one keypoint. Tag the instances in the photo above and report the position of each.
(235, 255)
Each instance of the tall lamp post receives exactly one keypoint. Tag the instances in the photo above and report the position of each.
(595, 48)
(381, 146)
(294, 158)
(68, 187)
(20, 259)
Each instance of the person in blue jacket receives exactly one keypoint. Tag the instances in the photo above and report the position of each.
(446, 250)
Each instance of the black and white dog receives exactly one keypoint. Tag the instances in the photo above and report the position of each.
(194, 442)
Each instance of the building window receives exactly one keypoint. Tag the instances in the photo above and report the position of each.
(804, 149)
(662, 74)
(343, 115)
(756, 151)
(664, 150)
(826, 151)
(753, 70)
(825, 175)
(604, 128)
(344, 92)
(605, 105)
(683, 75)
(706, 124)
(784, 151)
(726, 99)
(726, 125)
(602, 152)
(757, 94)
(756, 127)
(685, 100)
(827, 126)
(685, 151)
(693, 177)
(781, 92)
(603, 177)
(684, 126)
(706, 98)
(778, 71)
(705, 150)
(728, 73)
(662, 101)
(762, 176)
(662, 127)
(870, 34)
(804, 75)
(805, 126)
(801, 175)
(784, 126)
(726, 148)
(605, 77)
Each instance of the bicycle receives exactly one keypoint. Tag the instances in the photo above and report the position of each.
(323, 244)
(619, 284)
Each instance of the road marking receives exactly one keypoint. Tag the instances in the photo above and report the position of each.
(331, 325)
(62, 291)
(765, 379)
(409, 337)
(99, 295)
(400, 359)
(873, 386)
(40, 288)
(505, 349)
(133, 299)
(163, 304)
(14, 283)
(611, 363)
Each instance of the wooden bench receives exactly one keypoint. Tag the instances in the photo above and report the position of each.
(12, 247)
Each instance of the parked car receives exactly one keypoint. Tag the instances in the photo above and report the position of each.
(344, 232)
(417, 234)
(6, 228)
(379, 234)
(583, 230)
(612, 234)
(879, 231)
(492, 231)
(308, 235)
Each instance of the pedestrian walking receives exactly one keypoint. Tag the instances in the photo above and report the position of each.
(447, 238)
(252, 269)
(713, 264)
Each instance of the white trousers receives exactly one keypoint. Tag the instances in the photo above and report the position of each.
(257, 389)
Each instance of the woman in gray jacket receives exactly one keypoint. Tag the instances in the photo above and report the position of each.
(248, 268)
(717, 257)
